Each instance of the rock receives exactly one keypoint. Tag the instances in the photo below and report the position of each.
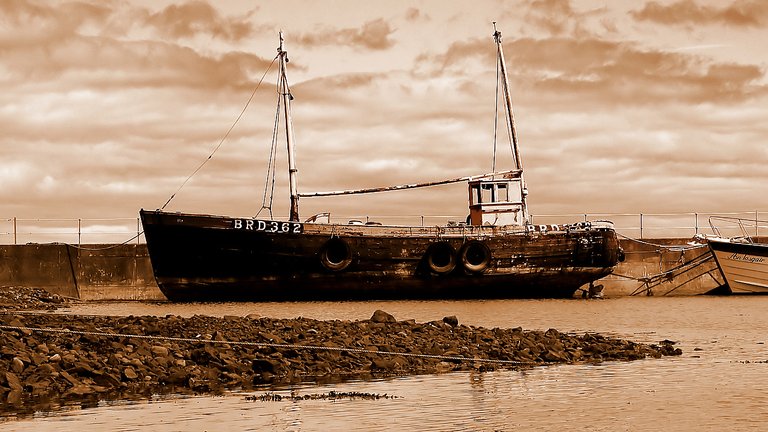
(386, 364)
(17, 366)
(130, 374)
(379, 316)
(13, 381)
(82, 369)
(159, 350)
(451, 320)
(72, 380)
(266, 365)
(14, 397)
(80, 390)
(107, 380)
(179, 377)
(269, 337)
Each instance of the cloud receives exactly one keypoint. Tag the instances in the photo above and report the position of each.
(373, 35)
(594, 71)
(194, 18)
(28, 24)
(739, 13)
(415, 15)
(108, 106)
(556, 16)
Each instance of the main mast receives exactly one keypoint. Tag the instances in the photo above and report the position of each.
(285, 93)
(511, 119)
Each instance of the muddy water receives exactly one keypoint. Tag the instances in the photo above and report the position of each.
(719, 383)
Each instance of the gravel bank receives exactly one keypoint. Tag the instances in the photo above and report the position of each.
(48, 359)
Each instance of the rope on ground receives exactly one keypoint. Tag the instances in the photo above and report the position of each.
(267, 345)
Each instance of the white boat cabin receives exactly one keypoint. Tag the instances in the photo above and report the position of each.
(497, 202)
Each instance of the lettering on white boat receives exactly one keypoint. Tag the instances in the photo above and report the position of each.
(267, 226)
(746, 258)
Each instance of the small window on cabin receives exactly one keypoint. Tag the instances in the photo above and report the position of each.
(476, 194)
(502, 195)
(514, 192)
(487, 193)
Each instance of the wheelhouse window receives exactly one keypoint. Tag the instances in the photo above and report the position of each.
(487, 193)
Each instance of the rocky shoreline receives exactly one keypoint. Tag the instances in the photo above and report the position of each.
(49, 359)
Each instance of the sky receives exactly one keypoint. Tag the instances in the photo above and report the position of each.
(108, 106)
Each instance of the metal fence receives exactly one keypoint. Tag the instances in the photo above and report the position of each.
(73, 231)
(128, 230)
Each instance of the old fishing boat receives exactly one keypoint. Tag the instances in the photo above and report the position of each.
(741, 259)
(496, 253)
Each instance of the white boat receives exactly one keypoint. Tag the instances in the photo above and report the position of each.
(742, 259)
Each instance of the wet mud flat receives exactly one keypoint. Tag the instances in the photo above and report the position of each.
(48, 360)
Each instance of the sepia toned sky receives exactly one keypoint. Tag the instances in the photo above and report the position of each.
(107, 106)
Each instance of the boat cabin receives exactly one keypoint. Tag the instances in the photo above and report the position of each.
(497, 202)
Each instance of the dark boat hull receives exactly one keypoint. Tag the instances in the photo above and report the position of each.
(217, 258)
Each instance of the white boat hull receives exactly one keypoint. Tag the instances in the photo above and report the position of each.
(744, 266)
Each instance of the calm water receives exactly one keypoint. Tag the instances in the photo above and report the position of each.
(720, 383)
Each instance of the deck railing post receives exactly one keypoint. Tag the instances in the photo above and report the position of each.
(641, 225)
(14, 230)
(138, 230)
(79, 230)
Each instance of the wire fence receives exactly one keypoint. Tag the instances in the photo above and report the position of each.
(121, 230)
(72, 231)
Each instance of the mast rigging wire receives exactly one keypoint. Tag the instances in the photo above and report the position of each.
(271, 167)
(226, 135)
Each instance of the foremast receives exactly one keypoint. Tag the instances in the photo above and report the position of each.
(285, 93)
(511, 121)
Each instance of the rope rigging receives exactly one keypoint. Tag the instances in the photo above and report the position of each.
(649, 282)
(271, 167)
(226, 135)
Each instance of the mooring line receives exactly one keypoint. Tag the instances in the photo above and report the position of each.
(269, 345)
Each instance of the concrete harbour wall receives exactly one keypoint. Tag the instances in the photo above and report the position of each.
(123, 272)
(87, 272)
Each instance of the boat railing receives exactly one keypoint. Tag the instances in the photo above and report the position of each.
(77, 231)
(744, 229)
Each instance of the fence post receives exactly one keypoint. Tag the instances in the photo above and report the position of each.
(79, 230)
(641, 225)
(14, 230)
(696, 216)
(138, 230)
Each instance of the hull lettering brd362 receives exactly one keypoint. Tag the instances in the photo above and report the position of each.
(267, 226)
